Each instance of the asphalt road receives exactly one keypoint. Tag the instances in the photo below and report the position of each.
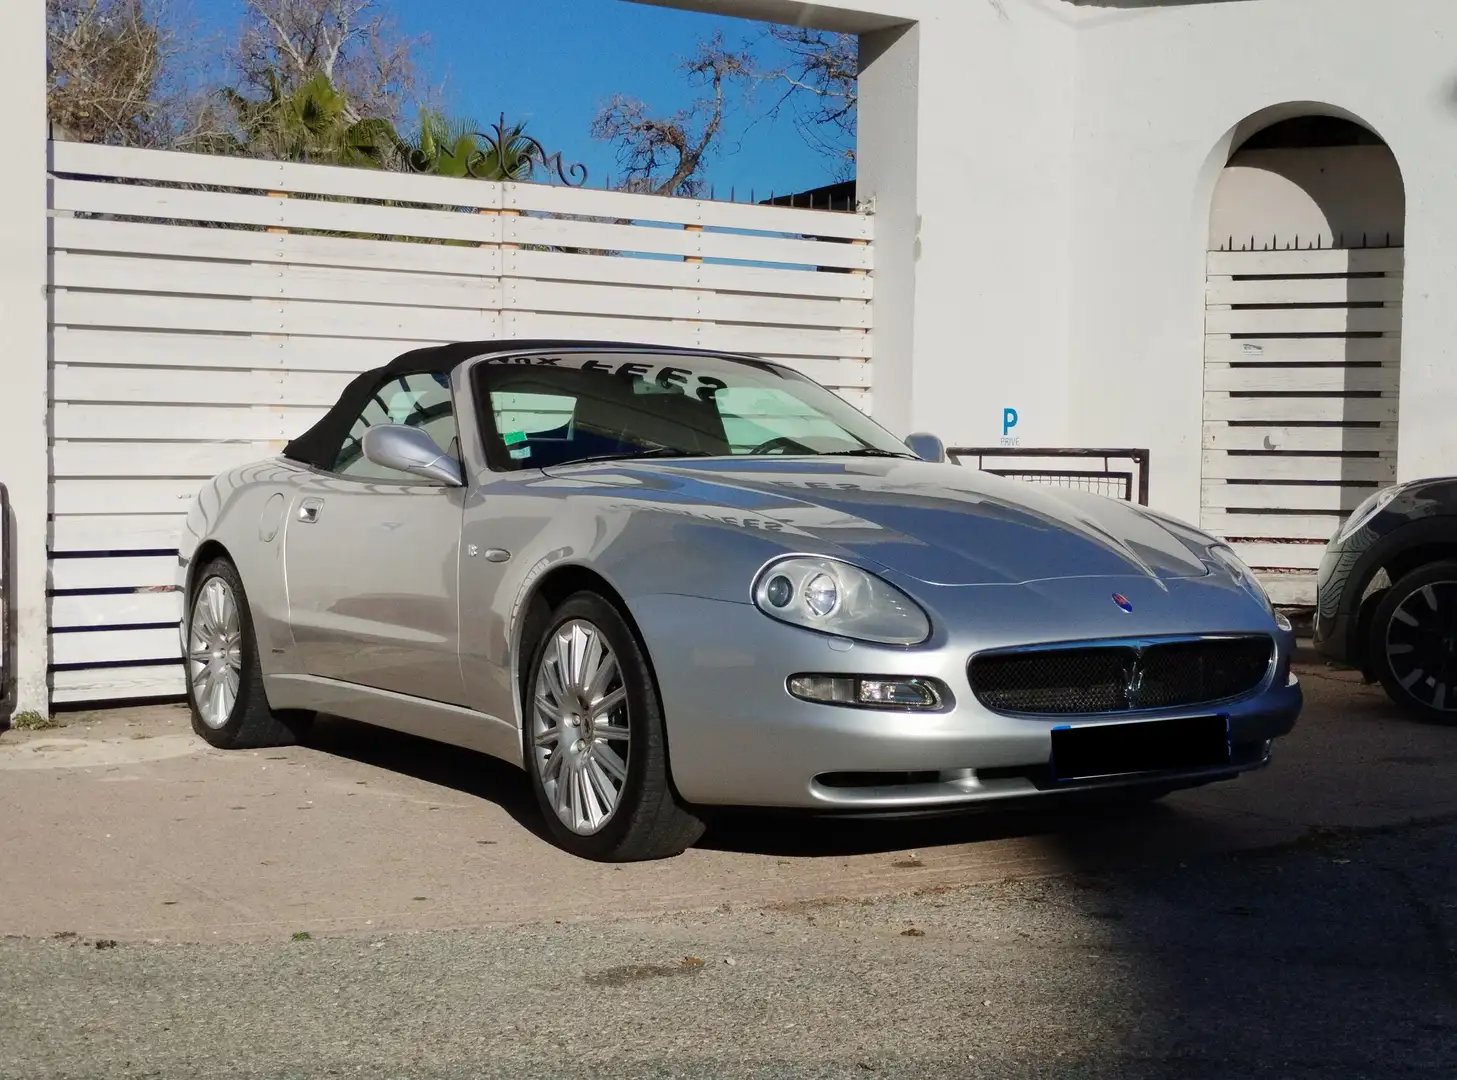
(370, 906)
(1330, 958)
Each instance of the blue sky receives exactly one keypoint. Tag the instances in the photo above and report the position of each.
(554, 62)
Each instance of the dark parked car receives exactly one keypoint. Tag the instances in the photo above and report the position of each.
(1386, 599)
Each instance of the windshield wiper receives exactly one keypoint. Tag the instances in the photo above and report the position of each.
(868, 451)
(645, 452)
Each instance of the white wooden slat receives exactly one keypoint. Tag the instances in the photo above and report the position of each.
(155, 459)
(649, 239)
(861, 399)
(584, 202)
(117, 684)
(123, 496)
(172, 167)
(117, 572)
(202, 278)
(1217, 494)
(143, 348)
(1220, 406)
(577, 298)
(727, 338)
(1294, 263)
(1224, 436)
(253, 245)
(1225, 350)
(1305, 379)
(189, 422)
(832, 372)
(139, 348)
(672, 273)
(150, 312)
(213, 206)
(1308, 526)
(1223, 466)
(1303, 320)
(1380, 290)
(112, 385)
(116, 609)
(115, 532)
(101, 646)
(1290, 590)
(1281, 556)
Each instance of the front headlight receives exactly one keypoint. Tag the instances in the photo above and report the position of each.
(1362, 515)
(1226, 557)
(837, 598)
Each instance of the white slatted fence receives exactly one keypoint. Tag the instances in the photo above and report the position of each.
(207, 309)
(1302, 370)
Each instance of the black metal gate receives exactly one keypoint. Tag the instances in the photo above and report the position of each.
(1128, 481)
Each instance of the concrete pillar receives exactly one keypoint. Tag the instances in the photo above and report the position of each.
(886, 174)
(24, 310)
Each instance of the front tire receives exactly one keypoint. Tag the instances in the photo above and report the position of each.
(224, 677)
(594, 742)
(1412, 647)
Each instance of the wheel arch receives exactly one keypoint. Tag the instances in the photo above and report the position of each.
(206, 552)
(547, 594)
(1397, 554)
(555, 586)
(1403, 561)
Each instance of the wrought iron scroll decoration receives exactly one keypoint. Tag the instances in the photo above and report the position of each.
(513, 151)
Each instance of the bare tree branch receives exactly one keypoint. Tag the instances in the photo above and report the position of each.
(665, 155)
(354, 44)
(118, 73)
(819, 83)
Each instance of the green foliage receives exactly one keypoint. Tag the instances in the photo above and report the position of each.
(458, 148)
(310, 123)
(30, 720)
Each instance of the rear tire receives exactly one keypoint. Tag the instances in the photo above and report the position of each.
(594, 743)
(1412, 642)
(224, 677)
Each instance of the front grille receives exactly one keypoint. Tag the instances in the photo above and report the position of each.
(1083, 680)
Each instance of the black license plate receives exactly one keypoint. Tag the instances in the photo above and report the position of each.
(1149, 746)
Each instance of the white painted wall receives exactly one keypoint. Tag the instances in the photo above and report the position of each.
(23, 467)
(1065, 158)
(1161, 92)
(1327, 196)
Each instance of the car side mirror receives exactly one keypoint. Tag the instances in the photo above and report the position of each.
(927, 447)
(411, 450)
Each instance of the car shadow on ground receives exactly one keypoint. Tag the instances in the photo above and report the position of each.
(1104, 830)
(477, 775)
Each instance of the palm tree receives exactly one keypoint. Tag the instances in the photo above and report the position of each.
(458, 148)
(311, 122)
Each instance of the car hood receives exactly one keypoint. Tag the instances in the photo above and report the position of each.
(938, 523)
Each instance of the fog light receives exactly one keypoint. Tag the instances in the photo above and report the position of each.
(876, 693)
(914, 693)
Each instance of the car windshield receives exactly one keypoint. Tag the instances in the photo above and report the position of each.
(576, 407)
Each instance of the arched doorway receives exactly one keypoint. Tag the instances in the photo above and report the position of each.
(1303, 340)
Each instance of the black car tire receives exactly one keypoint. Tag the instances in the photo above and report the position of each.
(648, 821)
(1418, 616)
(250, 724)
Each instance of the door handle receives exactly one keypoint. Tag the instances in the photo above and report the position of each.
(308, 510)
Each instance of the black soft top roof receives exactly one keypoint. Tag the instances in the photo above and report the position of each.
(319, 444)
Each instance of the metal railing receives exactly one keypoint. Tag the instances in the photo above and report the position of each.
(1129, 484)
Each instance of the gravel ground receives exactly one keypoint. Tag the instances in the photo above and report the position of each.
(1332, 957)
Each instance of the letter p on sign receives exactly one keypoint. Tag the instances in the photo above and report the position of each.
(1009, 421)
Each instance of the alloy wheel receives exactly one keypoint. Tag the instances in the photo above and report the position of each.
(1421, 645)
(579, 729)
(215, 652)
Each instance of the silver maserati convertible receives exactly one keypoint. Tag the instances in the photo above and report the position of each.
(665, 582)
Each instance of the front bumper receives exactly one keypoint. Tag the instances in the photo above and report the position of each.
(736, 738)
